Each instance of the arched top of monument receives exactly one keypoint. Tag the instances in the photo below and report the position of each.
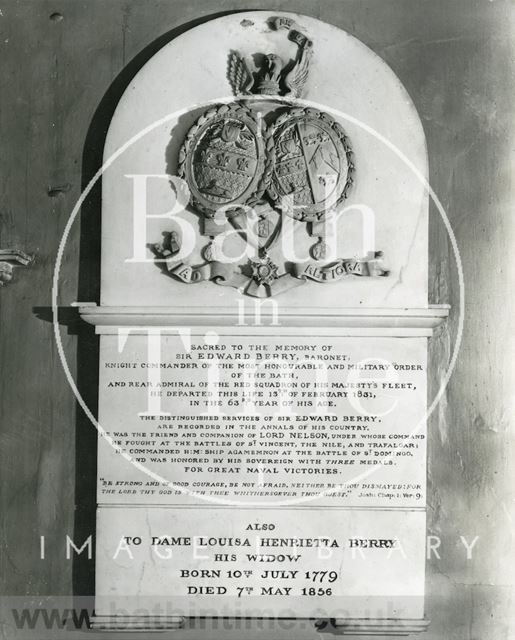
(345, 75)
(376, 137)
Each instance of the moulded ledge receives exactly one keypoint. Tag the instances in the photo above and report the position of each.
(353, 321)
(344, 626)
(380, 627)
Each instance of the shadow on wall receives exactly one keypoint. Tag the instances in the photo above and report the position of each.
(89, 291)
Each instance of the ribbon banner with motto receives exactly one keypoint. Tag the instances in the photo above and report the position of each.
(267, 283)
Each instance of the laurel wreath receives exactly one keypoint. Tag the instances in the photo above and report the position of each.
(297, 213)
(264, 161)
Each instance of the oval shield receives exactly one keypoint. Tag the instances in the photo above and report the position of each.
(312, 163)
(223, 159)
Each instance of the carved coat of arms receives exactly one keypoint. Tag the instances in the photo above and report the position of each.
(244, 167)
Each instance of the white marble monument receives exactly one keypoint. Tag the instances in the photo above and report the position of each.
(263, 332)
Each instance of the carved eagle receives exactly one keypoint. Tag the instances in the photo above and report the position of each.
(291, 83)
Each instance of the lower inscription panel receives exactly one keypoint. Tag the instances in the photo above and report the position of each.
(260, 562)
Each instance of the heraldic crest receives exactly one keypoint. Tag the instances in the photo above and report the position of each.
(253, 163)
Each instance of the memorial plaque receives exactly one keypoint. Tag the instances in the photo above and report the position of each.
(290, 418)
(264, 326)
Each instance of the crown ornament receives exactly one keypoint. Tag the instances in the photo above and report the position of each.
(273, 76)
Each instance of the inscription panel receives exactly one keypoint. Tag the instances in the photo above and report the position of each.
(271, 421)
(261, 562)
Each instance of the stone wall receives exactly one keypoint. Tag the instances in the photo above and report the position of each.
(65, 65)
